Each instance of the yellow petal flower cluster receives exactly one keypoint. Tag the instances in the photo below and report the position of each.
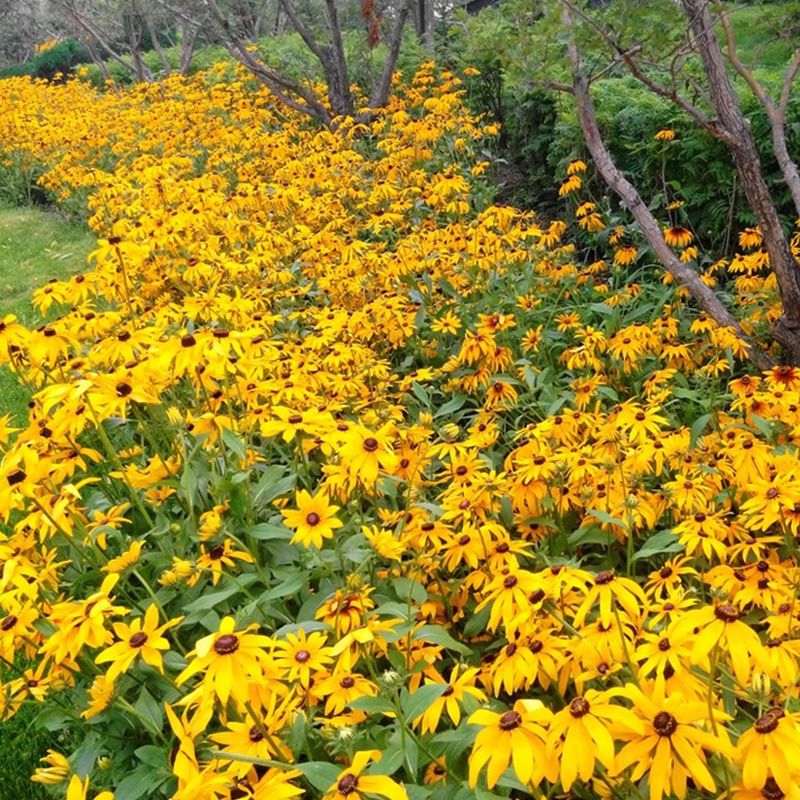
(339, 479)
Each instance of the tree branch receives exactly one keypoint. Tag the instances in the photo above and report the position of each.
(705, 297)
(672, 94)
(380, 94)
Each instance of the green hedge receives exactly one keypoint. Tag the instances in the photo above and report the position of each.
(61, 59)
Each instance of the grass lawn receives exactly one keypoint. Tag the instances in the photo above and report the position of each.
(35, 245)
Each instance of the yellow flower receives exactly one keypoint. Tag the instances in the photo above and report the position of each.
(672, 747)
(313, 521)
(78, 790)
(301, 654)
(56, 771)
(516, 736)
(677, 236)
(353, 784)
(582, 733)
(229, 660)
(457, 688)
(770, 749)
(142, 638)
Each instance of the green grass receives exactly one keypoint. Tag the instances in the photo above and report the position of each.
(35, 245)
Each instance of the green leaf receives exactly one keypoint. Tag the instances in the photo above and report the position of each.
(451, 406)
(438, 635)
(287, 588)
(590, 535)
(143, 781)
(266, 531)
(662, 542)
(416, 704)
(206, 601)
(407, 589)
(698, 426)
(233, 443)
(150, 709)
(373, 705)
(320, 774)
(421, 393)
(477, 622)
(152, 756)
(83, 759)
(274, 482)
(606, 518)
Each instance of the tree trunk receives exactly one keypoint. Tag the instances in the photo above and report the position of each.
(748, 165)
(189, 36)
(705, 297)
(430, 25)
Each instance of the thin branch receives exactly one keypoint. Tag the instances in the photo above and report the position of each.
(672, 94)
(380, 95)
(305, 34)
(684, 275)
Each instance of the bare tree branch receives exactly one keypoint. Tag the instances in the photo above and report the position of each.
(667, 92)
(705, 297)
(380, 94)
(776, 113)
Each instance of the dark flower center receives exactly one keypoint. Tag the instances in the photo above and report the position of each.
(226, 644)
(665, 724)
(510, 582)
(15, 477)
(664, 645)
(347, 783)
(255, 734)
(510, 720)
(370, 445)
(138, 639)
(769, 721)
(348, 682)
(772, 791)
(604, 577)
(313, 518)
(8, 623)
(579, 707)
(301, 656)
(726, 612)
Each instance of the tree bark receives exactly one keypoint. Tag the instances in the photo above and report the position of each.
(382, 90)
(776, 112)
(705, 297)
(748, 164)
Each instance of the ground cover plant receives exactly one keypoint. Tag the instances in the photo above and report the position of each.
(341, 481)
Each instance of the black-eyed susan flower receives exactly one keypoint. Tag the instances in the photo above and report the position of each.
(313, 521)
(517, 737)
(228, 660)
(143, 638)
(353, 783)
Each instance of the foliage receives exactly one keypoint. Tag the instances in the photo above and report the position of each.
(339, 480)
(698, 173)
(58, 60)
(35, 246)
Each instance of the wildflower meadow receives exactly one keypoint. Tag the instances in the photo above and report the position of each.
(342, 480)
